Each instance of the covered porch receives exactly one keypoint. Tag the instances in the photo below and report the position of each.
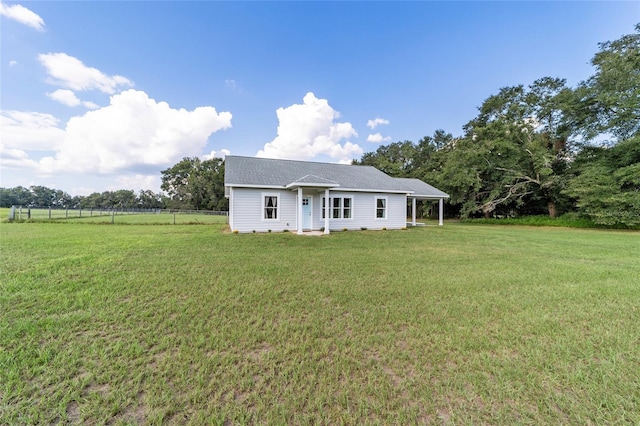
(310, 184)
(413, 200)
(420, 190)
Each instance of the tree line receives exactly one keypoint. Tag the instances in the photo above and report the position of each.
(41, 196)
(544, 148)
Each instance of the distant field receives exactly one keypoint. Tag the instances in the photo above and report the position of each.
(103, 216)
(461, 324)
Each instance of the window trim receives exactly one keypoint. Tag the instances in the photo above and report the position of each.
(264, 207)
(385, 208)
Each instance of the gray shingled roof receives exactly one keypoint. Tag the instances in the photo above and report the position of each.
(421, 189)
(253, 171)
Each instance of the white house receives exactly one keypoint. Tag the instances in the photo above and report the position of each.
(267, 194)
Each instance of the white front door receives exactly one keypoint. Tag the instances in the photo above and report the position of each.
(306, 213)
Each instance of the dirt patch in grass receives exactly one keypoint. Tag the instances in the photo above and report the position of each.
(100, 389)
(136, 413)
(73, 412)
(260, 352)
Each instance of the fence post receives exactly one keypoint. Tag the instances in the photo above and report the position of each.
(113, 215)
(28, 212)
(12, 213)
(174, 218)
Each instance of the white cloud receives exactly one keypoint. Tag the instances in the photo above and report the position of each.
(137, 182)
(30, 131)
(376, 122)
(216, 154)
(11, 158)
(69, 72)
(13, 63)
(67, 97)
(377, 138)
(23, 15)
(134, 132)
(309, 129)
(90, 105)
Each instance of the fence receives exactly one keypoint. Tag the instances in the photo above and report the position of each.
(118, 215)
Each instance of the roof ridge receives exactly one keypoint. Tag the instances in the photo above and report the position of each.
(303, 161)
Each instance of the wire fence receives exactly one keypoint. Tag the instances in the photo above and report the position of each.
(118, 215)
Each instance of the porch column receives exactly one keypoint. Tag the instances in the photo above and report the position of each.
(326, 211)
(440, 211)
(413, 211)
(299, 210)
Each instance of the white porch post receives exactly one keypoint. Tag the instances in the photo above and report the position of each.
(299, 210)
(326, 211)
(413, 211)
(440, 211)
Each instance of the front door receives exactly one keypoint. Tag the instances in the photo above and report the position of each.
(306, 213)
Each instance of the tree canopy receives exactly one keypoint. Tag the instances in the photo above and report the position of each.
(195, 184)
(534, 149)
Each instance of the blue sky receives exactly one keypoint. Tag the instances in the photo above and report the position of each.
(101, 96)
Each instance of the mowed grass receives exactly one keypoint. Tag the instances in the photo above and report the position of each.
(461, 324)
(121, 218)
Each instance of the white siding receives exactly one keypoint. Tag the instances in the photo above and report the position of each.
(246, 205)
(247, 211)
(364, 212)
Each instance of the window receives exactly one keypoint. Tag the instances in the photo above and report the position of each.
(341, 207)
(381, 208)
(337, 206)
(346, 208)
(270, 207)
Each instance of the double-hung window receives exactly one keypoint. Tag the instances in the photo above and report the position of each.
(337, 207)
(381, 208)
(340, 207)
(270, 207)
(346, 208)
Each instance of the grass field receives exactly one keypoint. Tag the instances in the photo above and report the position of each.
(461, 324)
(163, 217)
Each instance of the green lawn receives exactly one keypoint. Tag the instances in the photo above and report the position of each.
(103, 216)
(461, 324)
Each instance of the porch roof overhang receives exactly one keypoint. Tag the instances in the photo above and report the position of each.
(312, 181)
(428, 197)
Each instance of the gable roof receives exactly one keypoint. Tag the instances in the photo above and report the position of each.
(274, 173)
(313, 180)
